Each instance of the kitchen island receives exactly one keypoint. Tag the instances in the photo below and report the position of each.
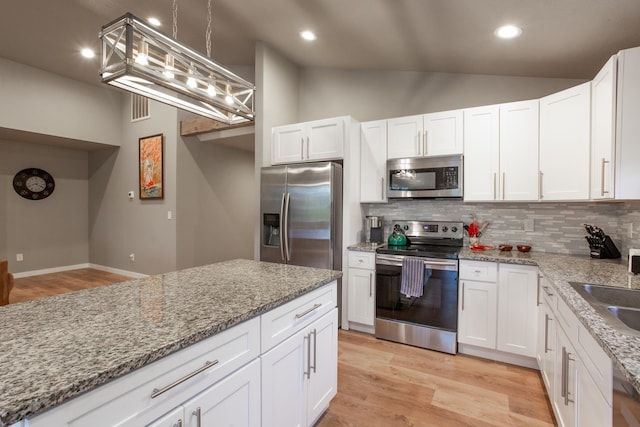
(559, 269)
(57, 348)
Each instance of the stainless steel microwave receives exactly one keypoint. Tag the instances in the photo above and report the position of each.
(425, 177)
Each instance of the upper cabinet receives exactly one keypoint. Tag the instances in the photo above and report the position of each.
(603, 116)
(627, 166)
(564, 144)
(519, 150)
(373, 161)
(309, 141)
(481, 153)
(432, 134)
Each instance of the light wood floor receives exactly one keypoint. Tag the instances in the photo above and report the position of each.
(45, 285)
(386, 384)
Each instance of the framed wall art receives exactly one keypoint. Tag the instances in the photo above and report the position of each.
(151, 164)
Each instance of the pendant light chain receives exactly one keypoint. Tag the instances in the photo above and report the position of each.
(175, 20)
(208, 36)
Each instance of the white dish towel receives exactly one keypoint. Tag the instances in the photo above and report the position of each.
(412, 277)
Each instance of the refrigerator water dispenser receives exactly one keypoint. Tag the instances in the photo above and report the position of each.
(271, 229)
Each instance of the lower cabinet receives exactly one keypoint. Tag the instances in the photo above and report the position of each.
(234, 401)
(299, 375)
(497, 307)
(361, 289)
(546, 336)
(565, 381)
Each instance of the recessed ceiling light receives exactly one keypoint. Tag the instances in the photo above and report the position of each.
(87, 53)
(508, 31)
(154, 21)
(308, 35)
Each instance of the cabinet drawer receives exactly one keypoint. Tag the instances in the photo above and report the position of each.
(282, 322)
(479, 270)
(127, 401)
(362, 260)
(596, 361)
(567, 320)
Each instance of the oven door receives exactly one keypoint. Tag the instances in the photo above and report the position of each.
(436, 308)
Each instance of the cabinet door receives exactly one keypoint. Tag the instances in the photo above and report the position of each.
(287, 144)
(546, 344)
(564, 381)
(565, 144)
(361, 298)
(373, 161)
(234, 401)
(405, 137)
(477, 310)
(603, 130)
(325, 139)
(519, 150)
(443, 133)
(481, 153)
(591, 407)
(283, 385)
(323, 377)
(174, 418)
(517, 309)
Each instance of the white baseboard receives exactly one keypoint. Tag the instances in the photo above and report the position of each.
(498, 356)
(77, 267)
(131, 274)
(49, 270)
(362, 328)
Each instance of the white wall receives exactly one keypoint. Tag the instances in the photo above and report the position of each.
(51, 232)
(379, 94)
(44, 103)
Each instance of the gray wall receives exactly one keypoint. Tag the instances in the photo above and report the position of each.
(217, 200)
(45, 103)
(119, 226)
(375, 94)
(52, 232)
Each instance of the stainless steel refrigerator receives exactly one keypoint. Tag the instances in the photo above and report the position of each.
(301, 214)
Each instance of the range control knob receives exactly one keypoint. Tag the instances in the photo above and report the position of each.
(406, 227)
(445, 229)
(454, 229)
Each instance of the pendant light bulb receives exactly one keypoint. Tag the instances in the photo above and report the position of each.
(228, 99)
(169, 66)
(191, 81)
(211, 90)
(143, 53)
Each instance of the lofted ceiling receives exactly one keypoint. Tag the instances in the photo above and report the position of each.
(561, 38)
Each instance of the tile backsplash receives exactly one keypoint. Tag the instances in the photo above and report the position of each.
(558, 227)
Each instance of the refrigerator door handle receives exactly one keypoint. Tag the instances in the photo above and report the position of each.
(284, 195)
(286, 226)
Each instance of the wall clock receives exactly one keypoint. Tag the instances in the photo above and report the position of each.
(33, 184)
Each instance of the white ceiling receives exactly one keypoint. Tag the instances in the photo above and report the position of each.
(561, 38)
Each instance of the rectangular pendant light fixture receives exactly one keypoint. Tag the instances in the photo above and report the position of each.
(143, 60)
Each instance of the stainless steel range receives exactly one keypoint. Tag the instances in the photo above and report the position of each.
(427, 318)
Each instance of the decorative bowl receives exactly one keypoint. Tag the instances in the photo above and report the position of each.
(505, 248)
(524, 248)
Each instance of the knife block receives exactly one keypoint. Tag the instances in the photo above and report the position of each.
(603, 248)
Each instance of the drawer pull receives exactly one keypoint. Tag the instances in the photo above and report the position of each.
(198, 415)
(178, 424)
(549, 294)
(157, 392)
(304, 313)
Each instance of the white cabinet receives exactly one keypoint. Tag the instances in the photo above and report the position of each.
(373, 161)
(565, 381)
(517, 309)
(362, 287)
(497, 307)
(565, 144)
(481, 153)
(478, 303)
(299, 375)
(603, 128)
(309, 141)
(546, 335)
(433, 134)
(234, 401)
(519, 151)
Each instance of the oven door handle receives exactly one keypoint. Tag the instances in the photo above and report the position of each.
(387, 260)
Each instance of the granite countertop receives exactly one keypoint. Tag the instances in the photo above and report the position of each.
(365, 247)
(559, 270)
(55, 348)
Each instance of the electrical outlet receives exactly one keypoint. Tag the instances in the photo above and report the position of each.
(19, 257)
(528, 224)
(131, 194)
(132, 257)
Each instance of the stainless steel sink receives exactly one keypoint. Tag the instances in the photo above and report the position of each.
(620, 307)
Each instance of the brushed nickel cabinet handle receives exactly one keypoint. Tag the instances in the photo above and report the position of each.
(178, 424)
(495, 193)
(504, 178)
(545, 288)
(462, 296)
(546, 333)
(425, 142)
(157, 392)
(540, 185)
(304, 313)
(370, 284)
(538, 291)
(308, 371)
(308, 156)
(419, 144)
(198, 415)
(315, 347)
(302, 148)
(602, 190)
